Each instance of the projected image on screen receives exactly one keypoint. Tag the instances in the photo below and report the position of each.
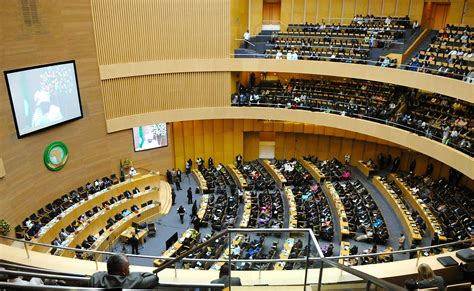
(150, 136)
(43, 96)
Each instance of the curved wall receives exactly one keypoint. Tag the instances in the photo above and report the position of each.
(437, 150)
(432, 83)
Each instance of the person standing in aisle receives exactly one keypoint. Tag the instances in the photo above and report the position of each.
(190, 196)
(181, 213)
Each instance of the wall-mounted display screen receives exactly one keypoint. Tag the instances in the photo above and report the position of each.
(149, 137)
(43, 96)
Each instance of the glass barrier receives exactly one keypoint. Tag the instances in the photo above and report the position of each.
(299, 260)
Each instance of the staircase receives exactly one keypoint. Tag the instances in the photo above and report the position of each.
(422, 46)
(259, 42)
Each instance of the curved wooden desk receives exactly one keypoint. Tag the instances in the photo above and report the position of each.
(276, 174)
(337, 203)
(290, 197)
(175, 249)
(244, 222)
(408, 223)
(432, 223)
(200, 180)
(52, 229)
(99, 220)
(238, 177)
(313, 170)
(111, 235)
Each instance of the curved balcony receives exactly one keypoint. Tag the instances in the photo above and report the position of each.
(445, 154)
(427, 82)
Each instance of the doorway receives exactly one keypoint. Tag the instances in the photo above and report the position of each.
(271, 14)
(435, 15)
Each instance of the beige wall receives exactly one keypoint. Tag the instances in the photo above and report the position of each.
(336, 11)
(143, 30)
(342, 11)
(64, 32)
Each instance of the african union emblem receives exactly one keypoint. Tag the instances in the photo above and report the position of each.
(55, 156)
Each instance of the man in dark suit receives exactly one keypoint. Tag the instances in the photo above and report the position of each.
(178, 174)
(190, 196)
(134, 243)
(224, 277)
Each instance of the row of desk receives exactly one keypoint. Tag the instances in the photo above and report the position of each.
(339, 206)
(244, 223)
(290, 197)
(276, 174)
(203, 206)
(237, 175)
(415, 201)
(403, 214)
(51, 230)
(177, 247)
(313, 170)
(228, 251)
(111, 235)
(202, 183)
(344, 251)
(285, 254)
(99, 220)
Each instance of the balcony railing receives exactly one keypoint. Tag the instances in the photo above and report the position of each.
(331, 110)
(313, 257)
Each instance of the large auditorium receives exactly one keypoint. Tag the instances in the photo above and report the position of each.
(237, 144)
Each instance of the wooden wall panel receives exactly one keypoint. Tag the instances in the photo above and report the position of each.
(311, 6)
(239, 21)
(299, 13)
(251, 148)
(143, 30)
(64, 31)
(208, 128)
(348, 11)
(335, 11)
(142, 94)
(256, 16)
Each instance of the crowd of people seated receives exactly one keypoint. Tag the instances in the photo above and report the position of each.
(268, 211)
(223, 205)
(432, 115)
(337, 42)
(415, 216)
(362, 212)
(450, 203)
(445, 119)
(32, 225)
(312, 205)
(448, 55)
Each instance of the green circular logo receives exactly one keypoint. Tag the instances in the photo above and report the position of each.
(55, 156)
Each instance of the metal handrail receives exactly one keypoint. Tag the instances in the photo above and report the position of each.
(361, 116)
(242, 39)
